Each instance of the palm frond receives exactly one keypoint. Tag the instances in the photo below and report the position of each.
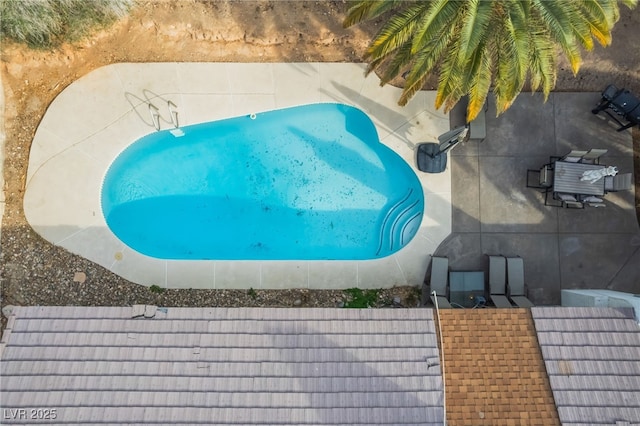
(375, 64)
(513, 43)
(476, 43)
(605, 12)
(450, 78)
(601, 16)
(631, 4)
(368, 9)
(401, 58)
(396, 32)
(543, 65)
(422, 65)
(480, 84)
(543, 58)
(475, 24)
(557, 21)
(581, 28)
(439, 14)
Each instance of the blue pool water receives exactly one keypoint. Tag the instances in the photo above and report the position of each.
(302, 183)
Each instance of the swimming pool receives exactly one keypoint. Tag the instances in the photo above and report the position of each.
(304, 183)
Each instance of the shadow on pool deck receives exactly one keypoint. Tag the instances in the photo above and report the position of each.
(495, 213)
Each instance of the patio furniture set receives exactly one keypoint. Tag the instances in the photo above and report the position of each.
(577, 179)
(467, 289)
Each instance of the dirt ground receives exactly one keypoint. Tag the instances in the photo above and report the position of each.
(34, 271)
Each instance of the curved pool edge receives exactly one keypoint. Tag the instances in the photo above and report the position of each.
(224, 184)
(405, 267)
(62, 199)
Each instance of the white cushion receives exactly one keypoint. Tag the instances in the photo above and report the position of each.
(567, 197)
(572, 159)
(592, 199)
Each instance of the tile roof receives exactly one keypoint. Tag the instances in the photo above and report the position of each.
(223, 365)
(592, 356)
(494, 369)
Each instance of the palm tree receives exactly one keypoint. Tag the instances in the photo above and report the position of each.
(475, 44)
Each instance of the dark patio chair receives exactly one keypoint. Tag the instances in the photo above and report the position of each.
(553, 159)
(574, 156)
(568, 201)
(593, 156)
(515, 279)
(497, 282)
(439, 281)
(620, 182)
(551, 200)
(573, 205)
(540, 179)
(592, 201)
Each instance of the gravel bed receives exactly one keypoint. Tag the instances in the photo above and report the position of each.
(38, 273)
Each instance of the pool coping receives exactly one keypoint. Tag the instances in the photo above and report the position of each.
(96, 117)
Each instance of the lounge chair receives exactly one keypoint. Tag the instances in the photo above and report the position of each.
(497, 282)
(515, 277)
(593, 156)
(621, 182)
(439, 280)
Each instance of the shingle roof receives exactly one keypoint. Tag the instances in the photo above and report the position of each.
(592, 356)
(224, 366)
(494, 369)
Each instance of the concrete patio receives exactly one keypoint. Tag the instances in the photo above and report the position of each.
(495, 213)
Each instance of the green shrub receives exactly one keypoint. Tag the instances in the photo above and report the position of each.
(252, 293)
(47, 23)
(361, 299)
(156, 289)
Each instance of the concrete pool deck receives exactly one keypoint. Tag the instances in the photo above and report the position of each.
(495, 213)
(96, 117)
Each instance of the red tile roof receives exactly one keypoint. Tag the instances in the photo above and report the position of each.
(494, 370)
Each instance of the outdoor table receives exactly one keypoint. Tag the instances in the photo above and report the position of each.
(567, 179)
(464, 287)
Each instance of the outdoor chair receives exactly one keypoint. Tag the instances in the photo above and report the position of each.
(574, 156)
(553, 159)
(553, 201)
(439, 280)
(573, 205)
(593, 156)
(544, 179)
(568, 201)
(497, 282)
(621, 182)
(515, 278)
(592, 201)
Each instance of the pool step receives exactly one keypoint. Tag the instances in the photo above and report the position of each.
(398, 224)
